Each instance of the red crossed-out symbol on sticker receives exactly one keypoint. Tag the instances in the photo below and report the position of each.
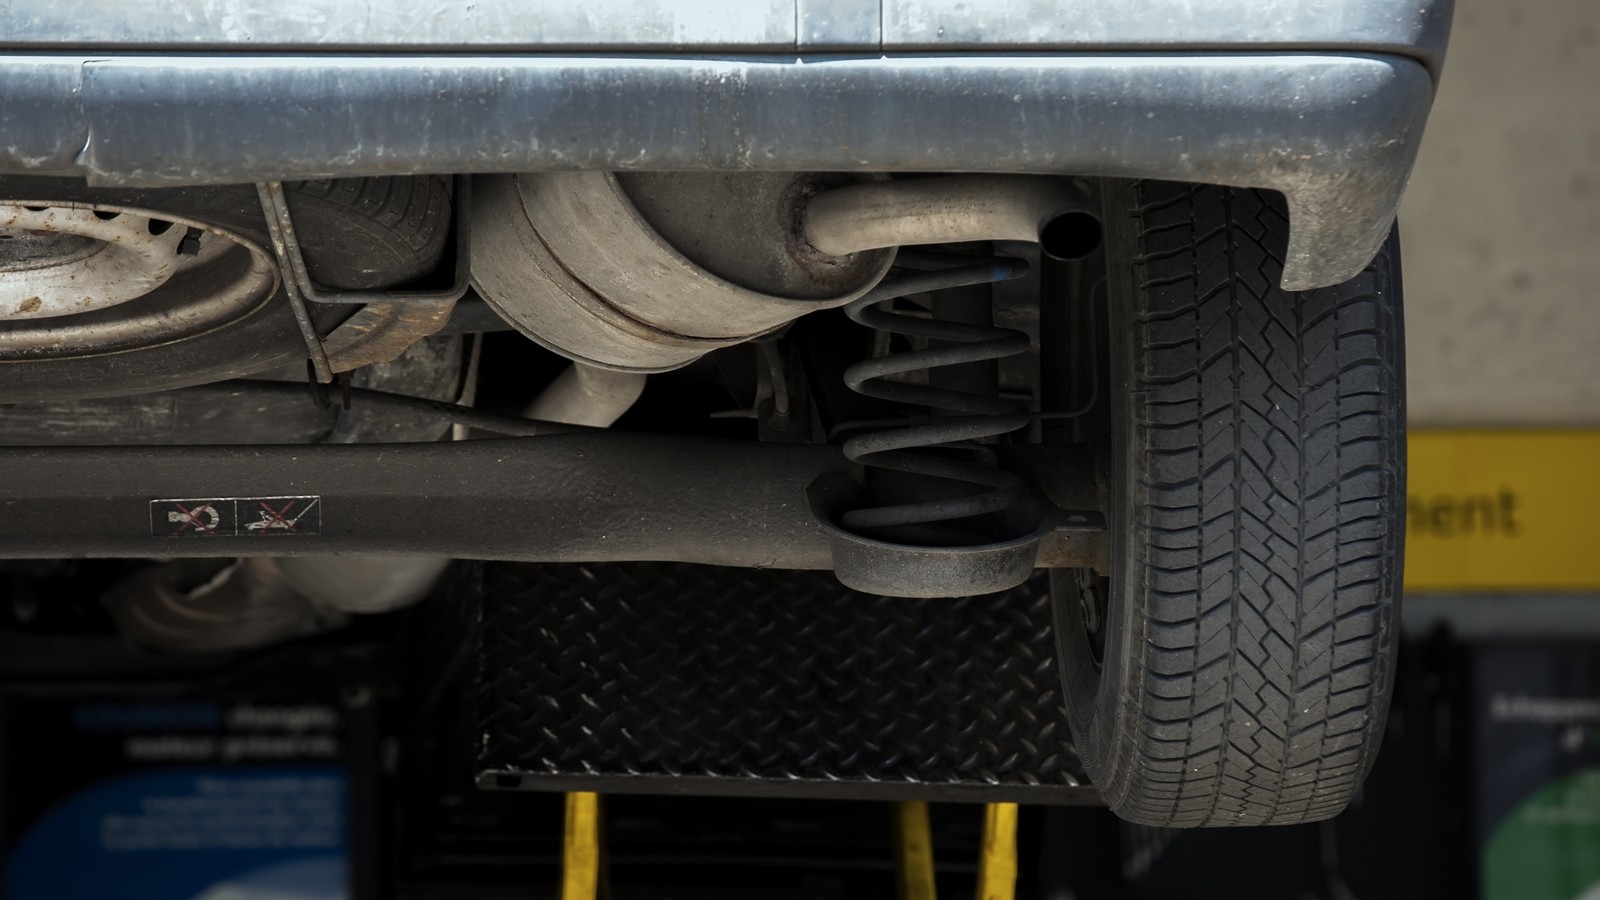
(203, 518)
(277, 519)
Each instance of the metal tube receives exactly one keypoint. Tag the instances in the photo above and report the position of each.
(359, 584)
(589, 497)
(940, 210)
(587, 395)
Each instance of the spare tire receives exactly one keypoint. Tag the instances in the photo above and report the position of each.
(222, 313)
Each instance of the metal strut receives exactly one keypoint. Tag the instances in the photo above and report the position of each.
(286, 248)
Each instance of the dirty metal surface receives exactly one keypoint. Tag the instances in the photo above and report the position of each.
(1337, 134)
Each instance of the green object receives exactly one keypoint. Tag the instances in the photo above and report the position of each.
(1549, 847)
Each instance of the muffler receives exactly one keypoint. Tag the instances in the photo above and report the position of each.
(647, 271)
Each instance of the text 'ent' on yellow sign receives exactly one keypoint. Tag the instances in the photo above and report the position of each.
(1503, 510)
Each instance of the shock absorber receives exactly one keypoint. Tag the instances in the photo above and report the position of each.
(945, 445)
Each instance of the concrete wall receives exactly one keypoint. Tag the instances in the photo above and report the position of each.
(1501, 224)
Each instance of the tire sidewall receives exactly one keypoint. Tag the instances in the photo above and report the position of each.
(1094, 695)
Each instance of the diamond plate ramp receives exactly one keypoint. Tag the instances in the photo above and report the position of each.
(671, 678)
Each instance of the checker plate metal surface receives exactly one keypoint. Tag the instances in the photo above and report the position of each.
(669, 678)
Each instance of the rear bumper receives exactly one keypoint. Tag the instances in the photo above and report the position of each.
(1336, 133)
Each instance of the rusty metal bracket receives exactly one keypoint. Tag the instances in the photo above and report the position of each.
(381, 332)
(279, 226)
(392, 320)
(292, 265)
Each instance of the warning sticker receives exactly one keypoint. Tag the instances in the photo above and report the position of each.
(280, 515)
(191, 518)
(235, 516)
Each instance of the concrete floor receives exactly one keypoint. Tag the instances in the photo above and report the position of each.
(1501, 225)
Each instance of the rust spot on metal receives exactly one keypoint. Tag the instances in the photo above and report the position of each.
(1073, 549)
(381, 332)
(29, 305)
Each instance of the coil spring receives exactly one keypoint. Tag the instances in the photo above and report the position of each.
(943, 447)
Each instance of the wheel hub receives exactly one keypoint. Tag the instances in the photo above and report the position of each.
(1092, 602)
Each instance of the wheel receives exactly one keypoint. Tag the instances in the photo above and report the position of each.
(1233, 665)
(216, 312)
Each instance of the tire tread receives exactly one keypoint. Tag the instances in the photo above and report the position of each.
(1268, 445)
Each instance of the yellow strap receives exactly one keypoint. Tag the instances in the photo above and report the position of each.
(997, 868)
(914, 854)
(580, 849)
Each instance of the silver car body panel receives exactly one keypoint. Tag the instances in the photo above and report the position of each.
(1417, 28)
(1323, 100)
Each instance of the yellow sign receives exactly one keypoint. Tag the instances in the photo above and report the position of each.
(1503, 510)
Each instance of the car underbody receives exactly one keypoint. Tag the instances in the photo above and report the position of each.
(296, 310)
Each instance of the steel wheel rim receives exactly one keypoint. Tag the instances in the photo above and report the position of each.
(183, 278)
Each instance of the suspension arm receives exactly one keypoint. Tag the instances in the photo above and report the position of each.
(556, 498)
(582, 497)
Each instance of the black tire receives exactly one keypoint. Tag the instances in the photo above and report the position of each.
(368, 233)
(1241, 665)
(357, 234)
